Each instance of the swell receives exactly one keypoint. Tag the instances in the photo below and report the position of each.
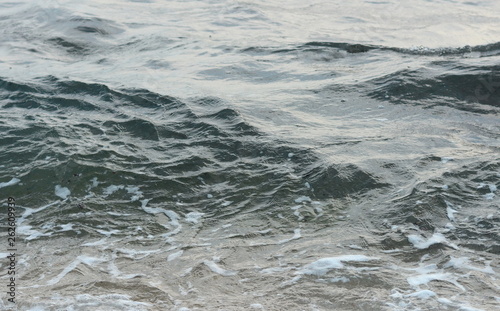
(176, 150)
(433, 78)
(485, 50)
(463, 89)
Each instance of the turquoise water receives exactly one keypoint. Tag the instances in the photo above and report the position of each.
(203, 155)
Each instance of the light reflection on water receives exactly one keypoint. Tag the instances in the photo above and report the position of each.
(229, 155)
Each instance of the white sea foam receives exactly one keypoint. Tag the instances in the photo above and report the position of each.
(31, 233)
(274, 270)
(114, 301)
(136, 193)
(90, 302)
(296, 236)
(422, 294)
(294, 280)
(418, 280)
(322, 266)
(194, 217)
(89, 261)
(95, 183)
(115, 272)
(29, 211)
(303, 199)
(112, 189)
(175, 255)
(492, 187)
(96, 243)
(217, 269)
(12, 182)
(464, 263)
(173, 216)
(62, 192)
(489, 196)
(108, 233)
(135, 254)
(66, 227)
(450, 213)
(341, 279)
(117, 214)
(421, 243)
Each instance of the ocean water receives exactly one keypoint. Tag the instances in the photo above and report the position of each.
(251, 155)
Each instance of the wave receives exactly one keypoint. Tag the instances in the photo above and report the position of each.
(196, 147)
(486, 50)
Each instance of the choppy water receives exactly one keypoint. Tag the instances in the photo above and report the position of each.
(258, 155)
